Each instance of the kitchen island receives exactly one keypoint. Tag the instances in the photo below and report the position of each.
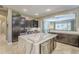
(38, 43)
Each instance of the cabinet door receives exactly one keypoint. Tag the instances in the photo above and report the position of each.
(31, 23)
(48, 46)
(68, 39)
(73, 40)
(35, 23)
(52, 45)
(45, 47)
(15, 28)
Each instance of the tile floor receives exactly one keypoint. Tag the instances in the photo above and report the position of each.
(10, 49)
(65, 49)
(16, 48)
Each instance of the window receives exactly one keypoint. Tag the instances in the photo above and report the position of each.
(48, 25)
(61, 22)
(63, 26)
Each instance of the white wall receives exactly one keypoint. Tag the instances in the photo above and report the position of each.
(0, 26)
(77, 21)
(9, 27)
(4, 27)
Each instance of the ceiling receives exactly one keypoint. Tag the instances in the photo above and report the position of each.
(3, 11)
(40, 10)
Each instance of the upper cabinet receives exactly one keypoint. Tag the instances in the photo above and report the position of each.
(35, 23)
(31, 23)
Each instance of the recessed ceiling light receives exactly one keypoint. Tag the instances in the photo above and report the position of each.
(48, 10)
(24, 9)
(36, 14)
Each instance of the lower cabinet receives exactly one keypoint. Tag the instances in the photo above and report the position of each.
(68, 39)
(47, 47)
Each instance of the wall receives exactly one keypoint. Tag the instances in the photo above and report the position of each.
(76, 11)
(2, 24)
(40, 24)
(9, 27)
(77, 20)
(4, 27)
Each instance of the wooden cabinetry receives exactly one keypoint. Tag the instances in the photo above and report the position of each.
(35, 23)
(15, 28)
(45, 47)
(48, 46)
(68, 39)
(31, 23)
(19, 25)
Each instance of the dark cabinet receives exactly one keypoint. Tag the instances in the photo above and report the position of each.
(68, 39)
(48, 46)
(20, 25)
(15, 28)
(73, 40)
(35, 23)
(27, 23)
(31, 23)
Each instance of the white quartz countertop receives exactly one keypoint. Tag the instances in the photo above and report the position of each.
(38, 37)
(66, 32)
